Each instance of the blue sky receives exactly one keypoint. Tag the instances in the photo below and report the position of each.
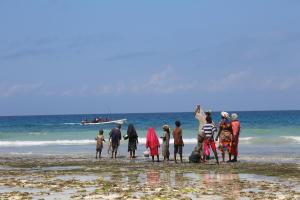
(64, 57)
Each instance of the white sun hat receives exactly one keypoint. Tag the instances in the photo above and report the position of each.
(224, 114)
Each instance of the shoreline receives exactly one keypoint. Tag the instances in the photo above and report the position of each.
(247, 153)
(79, 177)
(40, 161)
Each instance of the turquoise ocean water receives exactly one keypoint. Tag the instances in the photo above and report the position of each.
(265, 134)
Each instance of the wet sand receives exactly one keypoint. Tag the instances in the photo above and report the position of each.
(81, 177)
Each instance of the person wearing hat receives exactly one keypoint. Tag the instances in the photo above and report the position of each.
(235, 124)
(166, 142)
(225, 135)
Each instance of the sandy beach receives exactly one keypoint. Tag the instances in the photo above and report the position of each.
(80, 177)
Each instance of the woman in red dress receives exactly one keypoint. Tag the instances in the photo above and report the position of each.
(235, 124)
(152, 143)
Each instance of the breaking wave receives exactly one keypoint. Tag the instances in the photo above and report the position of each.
(292, 138)
(44, 143)
(245, 140)
(70, 123)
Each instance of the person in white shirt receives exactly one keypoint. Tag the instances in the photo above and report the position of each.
(200, 116)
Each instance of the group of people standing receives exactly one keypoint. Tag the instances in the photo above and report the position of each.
(227, 134)
(114, 141)
(152, 142)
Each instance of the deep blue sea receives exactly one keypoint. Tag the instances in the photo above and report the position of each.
(264, 134)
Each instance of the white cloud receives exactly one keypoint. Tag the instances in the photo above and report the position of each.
(231, 80)
(167, 81)
(7, 90)
(161, 82)
(281, 83)
(164, 82)
(244, 80)
(287, 84)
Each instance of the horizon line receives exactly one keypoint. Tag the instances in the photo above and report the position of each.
(34, 115)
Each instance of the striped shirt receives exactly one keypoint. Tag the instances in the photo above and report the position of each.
(209, 130)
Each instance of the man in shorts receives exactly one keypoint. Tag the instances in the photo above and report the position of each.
(178, 142)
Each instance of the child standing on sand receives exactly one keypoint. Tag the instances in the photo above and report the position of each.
(99, 145)
(178, 142)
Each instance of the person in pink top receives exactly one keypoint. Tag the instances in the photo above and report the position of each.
(235, 125)
(152, 143)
